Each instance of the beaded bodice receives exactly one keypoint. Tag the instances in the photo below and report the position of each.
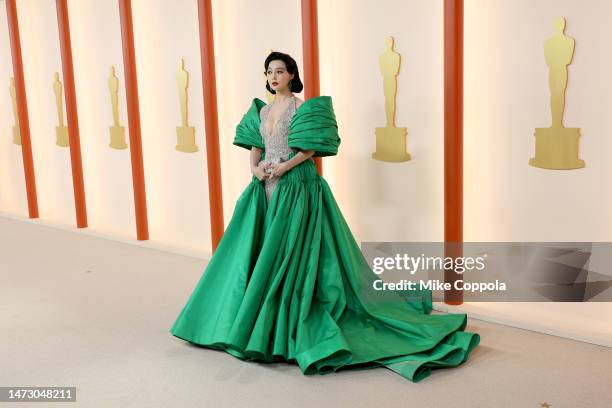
(276, 142)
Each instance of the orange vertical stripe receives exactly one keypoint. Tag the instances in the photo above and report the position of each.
(22, 109)
(453, 139)
(71, 114)
(133, 111)
(209, 90)
(310, 46)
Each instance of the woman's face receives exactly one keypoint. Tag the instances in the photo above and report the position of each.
(277, 75)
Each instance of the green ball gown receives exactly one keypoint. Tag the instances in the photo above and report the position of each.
(288, 281)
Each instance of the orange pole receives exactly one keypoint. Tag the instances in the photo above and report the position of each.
(133, 111)
(453, 140)
(22, 109)
(310, 46)
(209, 91)
(72, 116)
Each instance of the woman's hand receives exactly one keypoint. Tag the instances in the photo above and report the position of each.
(279, 169)
(259, 171)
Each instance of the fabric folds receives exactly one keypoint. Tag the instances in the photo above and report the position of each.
(247, 131)
(313, 127)
(288, 282)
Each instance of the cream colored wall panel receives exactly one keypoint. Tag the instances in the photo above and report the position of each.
(386, 201)
(41, 59)
(12, 180)
(176, 182)
(96, 45)
(506, 98)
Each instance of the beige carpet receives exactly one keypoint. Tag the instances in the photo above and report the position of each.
(77, 310)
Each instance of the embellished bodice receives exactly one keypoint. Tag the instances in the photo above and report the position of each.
(276, 143)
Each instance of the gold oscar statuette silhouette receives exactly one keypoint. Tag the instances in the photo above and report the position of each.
(16, 133)
(117, 132)
(61, 131)
(556, 147)
(185, 133)
(390, 140)
(269, 95)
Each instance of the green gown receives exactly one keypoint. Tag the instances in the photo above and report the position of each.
(288, 281)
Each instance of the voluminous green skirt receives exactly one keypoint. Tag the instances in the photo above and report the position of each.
(288, 282)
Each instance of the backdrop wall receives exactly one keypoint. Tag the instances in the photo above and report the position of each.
(506, 98)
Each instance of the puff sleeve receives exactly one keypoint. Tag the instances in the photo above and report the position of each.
(314, 127)
(247, 131)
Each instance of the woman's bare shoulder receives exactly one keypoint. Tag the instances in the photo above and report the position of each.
(299, 102)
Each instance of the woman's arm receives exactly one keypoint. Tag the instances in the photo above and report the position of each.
(279, 169)
(298, 158)
(255, 156)
(257, 170)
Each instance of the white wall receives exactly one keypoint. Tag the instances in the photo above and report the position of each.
(41, 59)
(96, 46)
(506, 98)
(12, 185)
(386, 201)
(176, 182)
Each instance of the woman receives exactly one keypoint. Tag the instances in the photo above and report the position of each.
(287, 281)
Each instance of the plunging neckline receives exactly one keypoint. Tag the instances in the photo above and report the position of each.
(278, 120)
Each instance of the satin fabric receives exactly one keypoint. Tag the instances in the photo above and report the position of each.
(313, 127)
(288, 282)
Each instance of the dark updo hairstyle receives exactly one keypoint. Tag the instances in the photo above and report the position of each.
(295, 85)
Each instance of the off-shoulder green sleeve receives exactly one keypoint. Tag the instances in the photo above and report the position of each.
(314, 127)
(247, 131)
